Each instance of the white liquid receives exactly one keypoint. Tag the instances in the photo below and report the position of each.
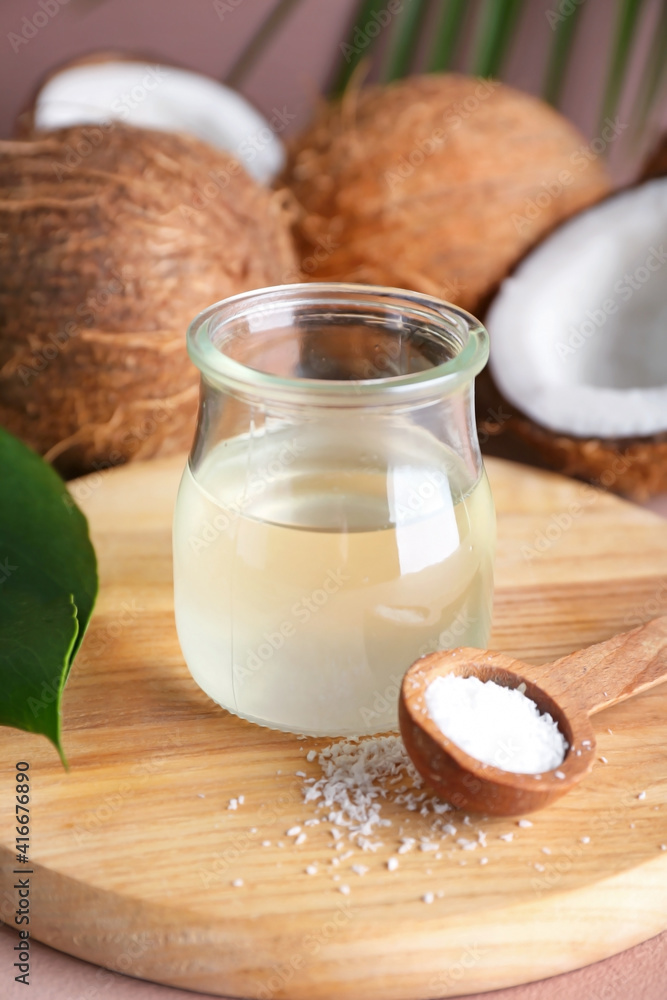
(311, 570)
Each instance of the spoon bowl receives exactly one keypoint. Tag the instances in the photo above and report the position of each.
(569, 689)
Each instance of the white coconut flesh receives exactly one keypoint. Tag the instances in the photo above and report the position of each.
(579, 332)
(163, 97)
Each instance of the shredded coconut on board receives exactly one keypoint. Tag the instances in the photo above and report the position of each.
(351, 787)
(358, 775)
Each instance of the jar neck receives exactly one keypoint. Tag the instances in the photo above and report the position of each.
(434, 431)
(343, 346)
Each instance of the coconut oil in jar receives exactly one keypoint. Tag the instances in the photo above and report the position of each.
(318, 551)
(306, 589)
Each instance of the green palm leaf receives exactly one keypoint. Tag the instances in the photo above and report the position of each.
(447, 35)
(626, 25)
(405, 38)
(655, 72)
(255, 47)
(496, 24)
(359, 43)
(559, 58)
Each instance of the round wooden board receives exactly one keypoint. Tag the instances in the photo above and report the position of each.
(134, 850)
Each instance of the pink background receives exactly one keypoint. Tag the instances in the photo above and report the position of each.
(296, 66)
(300, 59)
(637, 974)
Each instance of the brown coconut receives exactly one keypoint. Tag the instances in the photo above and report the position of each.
(437, 183)
(112, 239)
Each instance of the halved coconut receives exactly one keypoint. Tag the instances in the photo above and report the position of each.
(112, 87)
(579, 343)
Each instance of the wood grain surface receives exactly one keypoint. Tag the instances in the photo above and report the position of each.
(135, 850)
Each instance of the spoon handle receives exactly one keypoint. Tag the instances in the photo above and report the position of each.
(612, 671)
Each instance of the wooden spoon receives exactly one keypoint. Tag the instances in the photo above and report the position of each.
(570, 689)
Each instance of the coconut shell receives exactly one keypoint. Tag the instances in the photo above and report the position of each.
(111, 241)
(632, 467)
(656, 165)
(438, 183)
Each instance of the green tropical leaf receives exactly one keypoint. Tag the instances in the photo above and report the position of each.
(48, 586)
(359, 43)
(496, 23)
(559, 57)
(255, 47)
(405, 38)
(626, 26)
(447, 35)
(37, 637)
(655, 72)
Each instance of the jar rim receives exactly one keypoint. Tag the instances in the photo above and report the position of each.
(440, 380)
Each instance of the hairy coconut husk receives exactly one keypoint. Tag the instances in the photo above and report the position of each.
(111, 241)
(437, 183)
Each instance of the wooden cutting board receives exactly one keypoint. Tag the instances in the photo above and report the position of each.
(135, 850)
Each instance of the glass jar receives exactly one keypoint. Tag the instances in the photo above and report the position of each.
(334, 521)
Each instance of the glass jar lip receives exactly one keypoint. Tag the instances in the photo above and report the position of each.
(440, 380)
